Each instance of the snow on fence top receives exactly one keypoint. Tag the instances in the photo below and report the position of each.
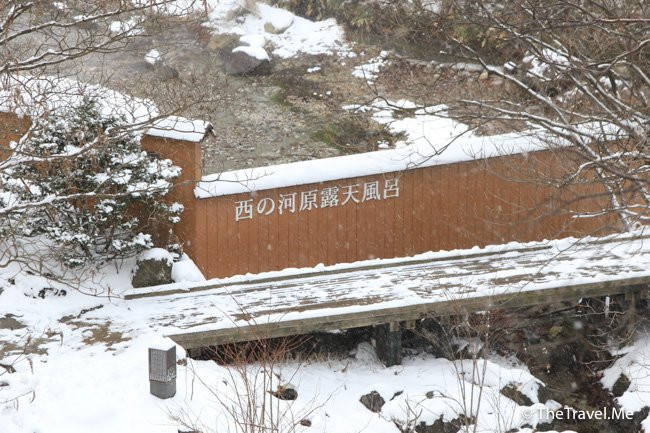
(431, 140)
(180, 128)
(364, 164)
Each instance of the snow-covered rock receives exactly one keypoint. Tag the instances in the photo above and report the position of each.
(247, 60)
(154, 268)
(186, 271)
(289, 34)
(257, 52)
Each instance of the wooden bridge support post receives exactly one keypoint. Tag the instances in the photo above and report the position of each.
(388, 340)
(195, 353)
(631, 299)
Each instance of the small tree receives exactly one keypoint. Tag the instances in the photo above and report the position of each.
(81, 180)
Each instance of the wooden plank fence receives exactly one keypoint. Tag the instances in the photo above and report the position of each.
(461, 205)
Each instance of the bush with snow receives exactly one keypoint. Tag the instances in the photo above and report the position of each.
(81, 180)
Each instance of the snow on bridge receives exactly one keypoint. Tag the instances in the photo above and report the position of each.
(390, 291)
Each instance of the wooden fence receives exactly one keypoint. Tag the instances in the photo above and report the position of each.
(443, 207)
(461, 205)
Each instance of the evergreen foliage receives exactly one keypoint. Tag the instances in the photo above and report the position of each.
(83, 181)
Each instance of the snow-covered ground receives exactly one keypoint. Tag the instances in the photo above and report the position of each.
(67, 371)
(635, 365)
(81, 365)
(88, 377)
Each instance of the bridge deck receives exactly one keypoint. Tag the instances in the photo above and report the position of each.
(365, 295)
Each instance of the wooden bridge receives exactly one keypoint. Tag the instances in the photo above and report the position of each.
(391, 294)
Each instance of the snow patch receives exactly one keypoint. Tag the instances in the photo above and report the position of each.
(634, 364)
(258, 53)
(370, 70)
(152, 57)
(129, 27)
(253, 40)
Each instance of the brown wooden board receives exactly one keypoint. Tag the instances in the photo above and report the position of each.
(439, 207)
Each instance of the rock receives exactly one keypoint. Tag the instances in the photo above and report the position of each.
(8, 322)
(555, 331)
(543, 394)
(223, 43)
(242, 63)
(515, 395)
(440, 426)
(47, 292)
(621, 385)
(153, 269)
(285, 392)
(566, 357)
(372, 401)
(366, 352)
(153, 57)
(165, 72)
(484, 76)
(270, 28)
